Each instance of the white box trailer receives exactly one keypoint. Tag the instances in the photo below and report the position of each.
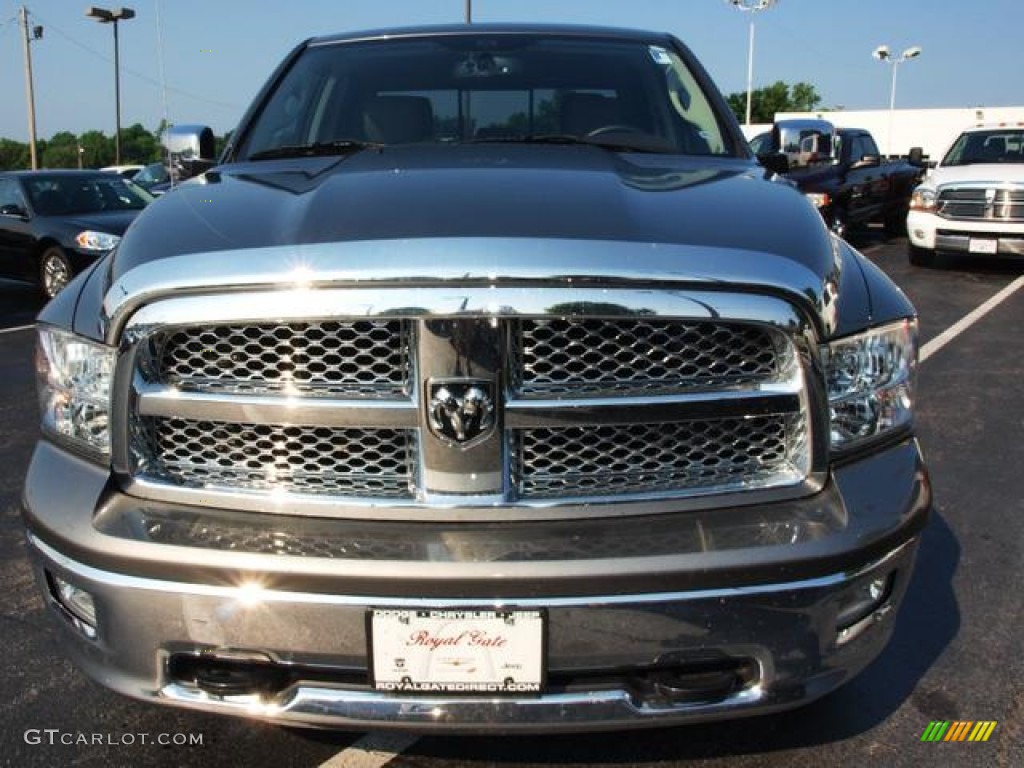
(931, 129)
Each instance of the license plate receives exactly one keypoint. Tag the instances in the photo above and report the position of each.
(456, 651)
(980, 245)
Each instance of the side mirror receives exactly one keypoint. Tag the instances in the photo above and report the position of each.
(916, 157)
(13, 210)
(190, 149)
(806, 142)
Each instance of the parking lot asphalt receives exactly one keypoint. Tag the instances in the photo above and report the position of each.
(956, 653)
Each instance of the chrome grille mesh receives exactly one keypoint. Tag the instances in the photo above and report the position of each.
(355, 358)
(595, 356)
(214, 404)
(307, 460)
(708, 455)
(975, 203)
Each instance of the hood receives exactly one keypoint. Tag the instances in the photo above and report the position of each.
(475, 191)
(979, 173)
(111, 222)
(455, 212)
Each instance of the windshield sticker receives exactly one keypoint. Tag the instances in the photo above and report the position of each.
(660, 55)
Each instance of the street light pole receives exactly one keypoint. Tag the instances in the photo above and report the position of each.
(883, 54)
(753, 6)
(29, 88)
(469, 11)
(105, 16)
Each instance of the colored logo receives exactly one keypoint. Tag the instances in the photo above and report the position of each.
(958, 730)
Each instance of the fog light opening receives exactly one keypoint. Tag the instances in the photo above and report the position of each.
(862, 606)
(77, 605)
(226, 677)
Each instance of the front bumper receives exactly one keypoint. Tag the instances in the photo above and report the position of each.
(740, 618)
(934, 233)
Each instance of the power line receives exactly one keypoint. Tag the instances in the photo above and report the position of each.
(134, 73)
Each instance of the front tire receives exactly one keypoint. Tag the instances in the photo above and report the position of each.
(920, 257)
(54, 271)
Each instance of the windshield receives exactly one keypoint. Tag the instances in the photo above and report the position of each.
(1004, 145)
(62, 195)
(464, 88)
(154, 173)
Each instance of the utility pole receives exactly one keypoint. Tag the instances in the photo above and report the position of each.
(29, 90)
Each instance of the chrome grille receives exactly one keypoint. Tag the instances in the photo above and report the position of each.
(708, 455)
(593, 356)
(262, 457)
(982, 204)
(335, 413)
(356, 358)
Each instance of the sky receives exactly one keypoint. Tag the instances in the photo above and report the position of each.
(202, 61)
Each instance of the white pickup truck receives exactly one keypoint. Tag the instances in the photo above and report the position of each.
(972, 202)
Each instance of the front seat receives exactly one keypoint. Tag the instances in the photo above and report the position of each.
(586, 112)
(993, 150)
(398, 119)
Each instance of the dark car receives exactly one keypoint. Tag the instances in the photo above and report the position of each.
(53, 224)
(154, 178)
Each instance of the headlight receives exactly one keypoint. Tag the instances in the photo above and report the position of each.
(818, 199)
(871, 380)
(96, 241)
(74, 378)
(922, 199)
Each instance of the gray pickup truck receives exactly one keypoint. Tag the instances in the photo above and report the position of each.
(486, 383)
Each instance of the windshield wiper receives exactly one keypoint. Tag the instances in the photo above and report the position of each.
(316, 149)
(619, 141)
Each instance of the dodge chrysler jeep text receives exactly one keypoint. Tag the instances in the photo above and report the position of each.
(486, 383)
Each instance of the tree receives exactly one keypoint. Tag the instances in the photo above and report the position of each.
(14, 155)
(138, 145)
(777, 97)
(221, 142)
(61, 151)
(98, 149)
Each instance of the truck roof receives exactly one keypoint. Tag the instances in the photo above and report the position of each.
(496, 29)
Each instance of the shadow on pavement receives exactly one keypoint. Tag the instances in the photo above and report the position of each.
(19, 304)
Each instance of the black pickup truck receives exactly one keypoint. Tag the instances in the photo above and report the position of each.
(842, 172)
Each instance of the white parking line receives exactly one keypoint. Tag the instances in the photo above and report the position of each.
(969, 319)
(18, 328)
(372, 751)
